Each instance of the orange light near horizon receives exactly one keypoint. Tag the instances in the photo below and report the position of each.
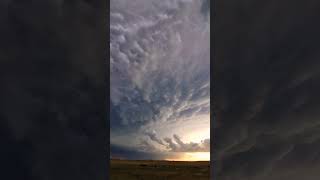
(193, 156)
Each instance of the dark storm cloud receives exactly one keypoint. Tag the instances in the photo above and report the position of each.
(159, 57)
(120, 152)
(140, 77)
(205, 8)
(266, 90)
(52, 108)
(153, 136)
(146, 146)
(177, 145)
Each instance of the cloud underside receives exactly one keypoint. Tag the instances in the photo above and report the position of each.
(267, 82)
(120, 152)
(175, 144)
(159, 63)
(52, 107)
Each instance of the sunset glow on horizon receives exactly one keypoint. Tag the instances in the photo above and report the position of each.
(192, 156)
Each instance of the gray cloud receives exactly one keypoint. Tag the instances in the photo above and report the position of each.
(177, 145)
(122, 152)
(159, 58)
(147, 147)
(149, 69)
(153, 136)
(171, 145)
(266, 75)
(52, 108)
(203, 146)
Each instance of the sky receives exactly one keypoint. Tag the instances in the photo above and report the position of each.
(160, 79)
(53, 90)
(266, 76)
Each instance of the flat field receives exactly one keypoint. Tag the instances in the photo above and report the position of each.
(159, 170)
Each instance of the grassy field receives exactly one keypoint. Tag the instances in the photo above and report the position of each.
(159, 170)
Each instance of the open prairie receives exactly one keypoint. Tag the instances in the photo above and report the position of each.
(159, 170)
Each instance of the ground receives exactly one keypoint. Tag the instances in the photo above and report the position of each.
(159, 170)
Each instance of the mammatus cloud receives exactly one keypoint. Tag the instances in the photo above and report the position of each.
(267, 82)
(151, 66)
(159, 57)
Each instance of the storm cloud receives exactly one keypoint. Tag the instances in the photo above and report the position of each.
(122, 152)
(52, 76)
(266, 90)
(177, 145)
(160, 71)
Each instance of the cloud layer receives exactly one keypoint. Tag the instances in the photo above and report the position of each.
(52, 76)
(177, 145)
(160, 66)
(266, 94)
